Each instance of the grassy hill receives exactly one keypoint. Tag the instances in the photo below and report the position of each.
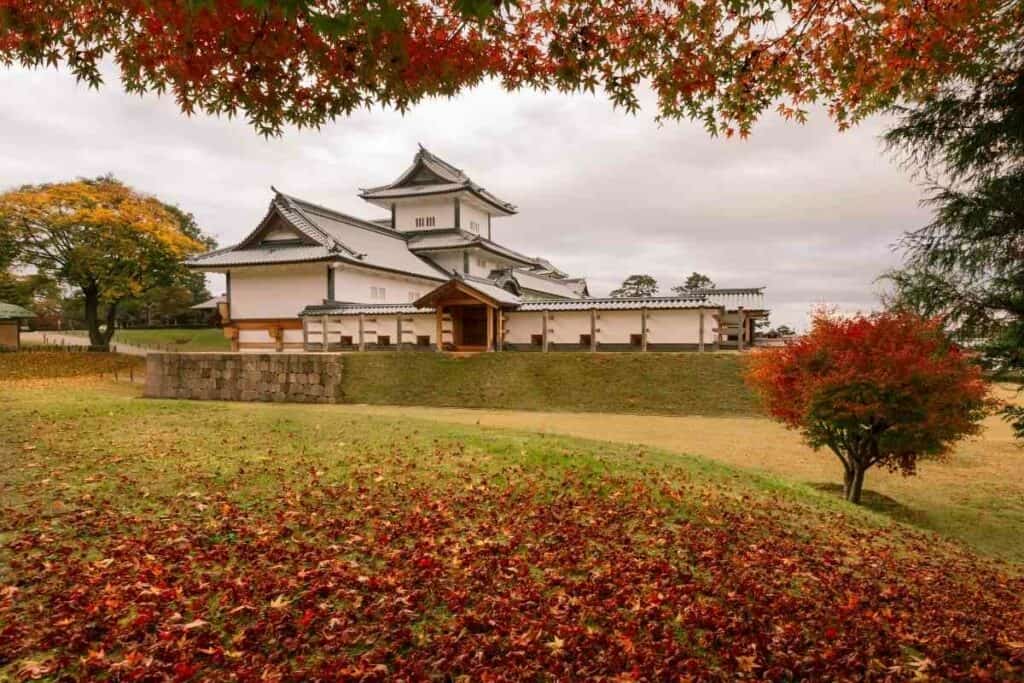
(654, 383)
(153, 539)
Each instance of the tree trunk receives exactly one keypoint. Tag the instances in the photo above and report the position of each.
(854, 484)
(97, 340)
(108, 333)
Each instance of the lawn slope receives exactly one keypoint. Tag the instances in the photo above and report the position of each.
(170, 539)
(654, 383)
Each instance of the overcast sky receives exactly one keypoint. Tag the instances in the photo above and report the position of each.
(806, 211)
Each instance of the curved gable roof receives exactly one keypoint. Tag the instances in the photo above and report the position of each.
(429, 175)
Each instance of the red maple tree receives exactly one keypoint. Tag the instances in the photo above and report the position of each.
(721, 62)
(883, 389)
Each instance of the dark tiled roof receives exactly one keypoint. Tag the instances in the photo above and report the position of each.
(447, 179)
(338, 236)
(266, 255)
(557, 287)
(340, 308)
(437, 240)
(616, 304)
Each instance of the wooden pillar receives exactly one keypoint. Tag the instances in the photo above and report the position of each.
(323, 334)
(362, 341)
(440, 328)
(700, 342)
(398, 332)
(305, 333)
(593, 330)
(719, 322)
(742, 332)
(643, 329)
(544, 333)
(501, 330)
(490, 328)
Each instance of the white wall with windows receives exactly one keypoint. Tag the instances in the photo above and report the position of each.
(473, 219)
(425, 214)
(364, 286)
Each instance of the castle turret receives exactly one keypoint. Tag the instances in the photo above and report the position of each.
(434, 195)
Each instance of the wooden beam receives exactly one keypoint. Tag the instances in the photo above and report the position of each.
(743, 328)
(490, 328)
(323, 337)
(643, 329)
(700, 342)
(544, 332)
(440, 327)
(593, 330)
(362, 341)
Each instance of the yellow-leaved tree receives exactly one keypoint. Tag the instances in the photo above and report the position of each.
(101, 237)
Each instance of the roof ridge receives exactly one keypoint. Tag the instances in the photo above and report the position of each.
(329, 241)
(334, 212)
(545, 276)
(425, 153)
(355, 221)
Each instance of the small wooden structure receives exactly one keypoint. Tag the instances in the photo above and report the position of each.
(10, 325)
(468, 319)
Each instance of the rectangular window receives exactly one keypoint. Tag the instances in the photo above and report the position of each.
(537, 339)
(636, 339)
(378, 293)
(426, 221)
(585, 340)
(346, 340)
(422, 340)
(474, 227)
(383, 340)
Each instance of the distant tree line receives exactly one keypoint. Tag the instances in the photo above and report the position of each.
(645, 285)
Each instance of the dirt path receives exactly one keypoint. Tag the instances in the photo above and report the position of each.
(76, 340)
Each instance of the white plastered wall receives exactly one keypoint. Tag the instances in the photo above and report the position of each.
(356, 285)
(413, 326)
(442, 209)
(675, 326)
(665, 326)
(565, 327)
(469, 214)
(520, 327)
(615, 327)
(276, 291)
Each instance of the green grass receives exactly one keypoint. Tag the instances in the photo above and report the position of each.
(174, 338)
(651, 383)
(216, 540)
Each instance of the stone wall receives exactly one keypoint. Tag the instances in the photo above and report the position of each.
(294, 378)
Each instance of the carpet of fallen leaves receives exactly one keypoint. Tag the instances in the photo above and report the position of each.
(42, 365)
(513, 576)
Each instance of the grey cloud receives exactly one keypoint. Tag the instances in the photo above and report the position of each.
(805, 210)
